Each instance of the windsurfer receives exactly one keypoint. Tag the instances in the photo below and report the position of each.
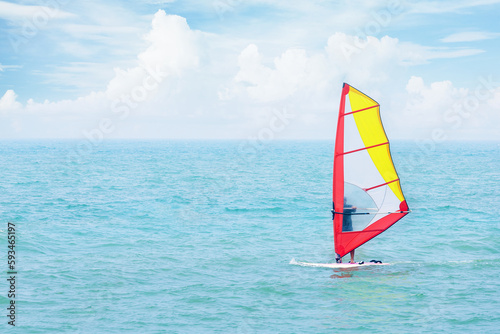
(347, 220)
(347, 225)
(362, 171)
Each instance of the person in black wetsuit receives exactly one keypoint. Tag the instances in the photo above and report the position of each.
(347, 225)
(347, 220)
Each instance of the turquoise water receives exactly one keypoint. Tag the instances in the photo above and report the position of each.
(196, 237)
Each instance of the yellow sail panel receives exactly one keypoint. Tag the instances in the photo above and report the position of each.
(370, 127)
(381, 157)
(367, 117)
(359, 100)
(396, 189)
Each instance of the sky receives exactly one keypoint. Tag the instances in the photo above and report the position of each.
(253, 69)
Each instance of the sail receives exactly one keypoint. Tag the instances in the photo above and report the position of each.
(367, 195)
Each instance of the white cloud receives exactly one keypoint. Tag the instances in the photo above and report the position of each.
(158, 2)
(173, 49)
(494, 102)
(469, 36)
(345, 58)
(436, 7)
(388, 49)
(12, 11)
(173, 44)
(8, 101)
(443, 53)
(370, 59)
(77, 78)
(428, 103)
(187, 83)
(9, 67)
(456, 113)
(377, 66)
(293, 69)
(251, 68)
(107, 35)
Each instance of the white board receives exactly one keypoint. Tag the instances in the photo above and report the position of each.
(336, 265)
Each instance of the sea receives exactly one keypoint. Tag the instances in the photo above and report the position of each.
(179, 236)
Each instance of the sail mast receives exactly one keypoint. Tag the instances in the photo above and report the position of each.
(338, 168)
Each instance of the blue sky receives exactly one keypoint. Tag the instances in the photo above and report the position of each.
(229, 68)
